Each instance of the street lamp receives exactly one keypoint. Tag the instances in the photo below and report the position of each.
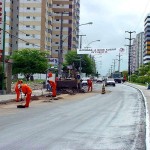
(92, 42)
(60, 52)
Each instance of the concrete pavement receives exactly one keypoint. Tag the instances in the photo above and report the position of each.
(146, 94)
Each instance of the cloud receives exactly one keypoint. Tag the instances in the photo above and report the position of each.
(110, 21)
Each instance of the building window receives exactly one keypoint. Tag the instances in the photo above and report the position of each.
(27, 34)
(56, 43)
(27, 26)
(57, 19)
(28, 17)
(57, 27)
(28, 8)
(27, 43)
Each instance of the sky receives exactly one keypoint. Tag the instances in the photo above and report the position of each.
(110, 21)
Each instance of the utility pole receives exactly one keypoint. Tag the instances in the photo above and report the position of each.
(80, 68)
(111, 70)
(2, 48)
(119, 62)
(129, 57)
(114, 64)
(60, 52)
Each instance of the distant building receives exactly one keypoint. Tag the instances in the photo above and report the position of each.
(37, 24)
(147, 39)
(65, 17)
(137, 52)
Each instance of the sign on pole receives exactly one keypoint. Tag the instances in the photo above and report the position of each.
(1, 28)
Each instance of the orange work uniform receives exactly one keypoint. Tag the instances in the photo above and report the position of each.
(90, 86)
(53, 85)
(27, 91)
(17, 90)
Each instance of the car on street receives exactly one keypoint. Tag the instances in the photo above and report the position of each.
(110, 82)
(99, 80)
(84, 81)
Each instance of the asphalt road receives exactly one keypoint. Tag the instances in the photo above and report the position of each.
(111, 121)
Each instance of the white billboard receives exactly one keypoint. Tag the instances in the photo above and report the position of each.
(95, 50)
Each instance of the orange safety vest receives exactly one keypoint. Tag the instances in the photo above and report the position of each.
(26, 89)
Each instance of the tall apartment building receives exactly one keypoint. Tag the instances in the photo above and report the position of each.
(137, 52)
(147, 39)
(65, 23)
(28, 25)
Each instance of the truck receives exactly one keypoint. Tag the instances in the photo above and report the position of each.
(117, 76)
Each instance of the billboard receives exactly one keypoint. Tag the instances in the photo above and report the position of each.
(95, 50)
(1, 27)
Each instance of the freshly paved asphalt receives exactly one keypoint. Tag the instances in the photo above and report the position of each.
(145, 91)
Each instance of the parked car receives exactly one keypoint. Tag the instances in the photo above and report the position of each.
(84, 81)
(110, 81)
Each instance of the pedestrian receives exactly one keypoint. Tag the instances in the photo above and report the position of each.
(78, 77)
(17, 90)
(52, 84)
(27, 91)
(90, 85)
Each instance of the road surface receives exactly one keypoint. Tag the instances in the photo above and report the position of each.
(91, 121)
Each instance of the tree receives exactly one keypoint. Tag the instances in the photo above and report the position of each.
(29, 61)
(72, 58)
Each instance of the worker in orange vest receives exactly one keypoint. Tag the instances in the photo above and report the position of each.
(52, 84)
(27, 91)
(90, 84)
(17, 90)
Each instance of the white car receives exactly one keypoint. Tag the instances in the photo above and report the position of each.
(84, 81)
(110, 81)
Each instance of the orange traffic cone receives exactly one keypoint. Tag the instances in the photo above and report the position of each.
(103, 89)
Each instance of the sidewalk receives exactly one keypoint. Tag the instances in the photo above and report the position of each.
(145, 91)
(146, 94)
(12, 97)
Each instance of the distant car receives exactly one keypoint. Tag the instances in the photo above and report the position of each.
(99, 80)
(84, 81)
(110, 81)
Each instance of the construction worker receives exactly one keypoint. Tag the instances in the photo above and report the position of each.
(27, 91)
(90, 84)
(17, 90)
(52, 84)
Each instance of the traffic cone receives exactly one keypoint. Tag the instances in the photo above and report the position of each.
(103, 89)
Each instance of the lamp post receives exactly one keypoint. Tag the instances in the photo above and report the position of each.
(60, 52)
(91, 43)
(80, 67)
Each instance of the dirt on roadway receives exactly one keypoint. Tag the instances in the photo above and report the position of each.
(8, 107)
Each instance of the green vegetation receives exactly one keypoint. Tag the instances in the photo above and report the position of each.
(29, 61)
(142, 75)
(87, 64)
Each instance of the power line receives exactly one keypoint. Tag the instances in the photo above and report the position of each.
(147, 4)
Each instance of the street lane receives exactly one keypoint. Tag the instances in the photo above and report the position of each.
(115, 120)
